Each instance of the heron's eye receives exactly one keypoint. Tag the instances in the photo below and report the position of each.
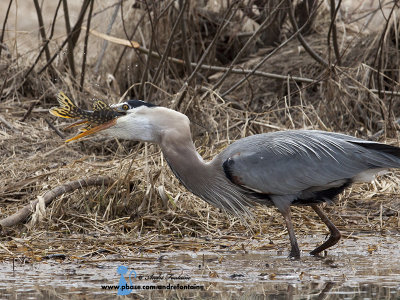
(125, 107)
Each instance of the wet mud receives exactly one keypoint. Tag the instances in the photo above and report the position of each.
(361, 267)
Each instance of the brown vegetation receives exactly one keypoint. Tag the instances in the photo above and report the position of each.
(315, 70)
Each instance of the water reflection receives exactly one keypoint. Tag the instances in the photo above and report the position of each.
(348, 272)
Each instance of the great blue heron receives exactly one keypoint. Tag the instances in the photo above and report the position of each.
(297, 167)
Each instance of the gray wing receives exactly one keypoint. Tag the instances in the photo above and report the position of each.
(290, 162)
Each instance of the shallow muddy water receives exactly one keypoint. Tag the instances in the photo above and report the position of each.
(362, 267)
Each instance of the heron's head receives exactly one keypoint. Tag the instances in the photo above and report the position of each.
(140, 121)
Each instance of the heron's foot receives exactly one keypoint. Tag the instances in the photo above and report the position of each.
(335, 233)
(332, 240)
(294, 253)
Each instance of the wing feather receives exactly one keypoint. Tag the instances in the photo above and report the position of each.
(291, 162)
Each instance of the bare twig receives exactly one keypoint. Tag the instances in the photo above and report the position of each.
(379, 133)
(145, 74)
(6, 123)
(77, 27)
(224, 69)
(70, 55)
(4, 24)
(7, 75)
(71, 38)
(85, 47)
(105, 43)
(254, 70)
(141, 49)
(167, 48)
(225, 22)
(332, 28)
(22, 214)
(41, 29)
(29, 111)
(55, 54)
(47, 42)
(129, 39)
(298, 31)
(380, 52)
(184, 40)
(132, 45)
(127, 43)
(258, 73)
(300, 37)
(376, 91)
(58, 132)
(249, 41)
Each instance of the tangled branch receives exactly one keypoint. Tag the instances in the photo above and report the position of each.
(27, 210)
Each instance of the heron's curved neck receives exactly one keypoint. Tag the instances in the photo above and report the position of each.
(205, 180)
(188, 166)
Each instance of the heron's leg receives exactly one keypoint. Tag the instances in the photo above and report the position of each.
(335, 234)
(295, 251)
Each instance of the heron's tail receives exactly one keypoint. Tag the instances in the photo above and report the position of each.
(384, 148)
(380, 155)
(68, 109)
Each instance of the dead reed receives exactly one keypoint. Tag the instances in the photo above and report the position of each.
(235, 70)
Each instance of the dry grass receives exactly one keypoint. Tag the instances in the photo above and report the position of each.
(146, 209)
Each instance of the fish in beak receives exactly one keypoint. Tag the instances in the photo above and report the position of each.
(92, 130)
(101, 117)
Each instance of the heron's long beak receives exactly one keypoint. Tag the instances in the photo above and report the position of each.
(94, 130)
(76, 124)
